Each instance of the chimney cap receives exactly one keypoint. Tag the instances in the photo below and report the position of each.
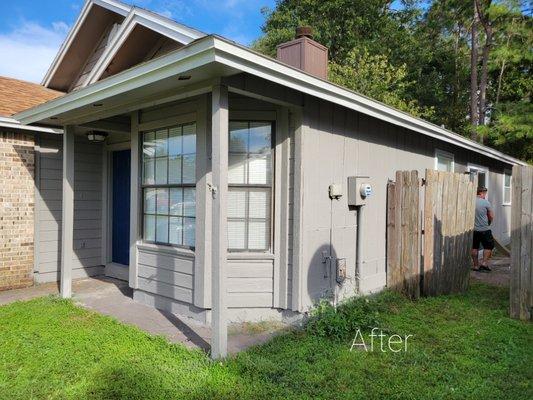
(304, 31)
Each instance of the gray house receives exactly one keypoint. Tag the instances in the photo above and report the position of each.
(215, 179)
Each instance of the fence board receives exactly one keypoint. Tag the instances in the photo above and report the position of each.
(448, 215)
(403, 230)
(521, 296)
(449, 205)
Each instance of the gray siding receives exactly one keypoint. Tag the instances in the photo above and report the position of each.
(338, 143)
(166, 272)
(250, 282)
(87, 208)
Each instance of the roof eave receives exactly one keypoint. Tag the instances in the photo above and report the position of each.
(217, 49)
(189, 57)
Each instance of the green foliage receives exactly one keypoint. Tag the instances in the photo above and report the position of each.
(464, 347)
(375, 77)
(512, 129)
(415, 56)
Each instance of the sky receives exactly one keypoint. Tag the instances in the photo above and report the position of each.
(31, 31)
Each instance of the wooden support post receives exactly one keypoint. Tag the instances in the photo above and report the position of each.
(67, 217)
(219, 150)
(134, 199)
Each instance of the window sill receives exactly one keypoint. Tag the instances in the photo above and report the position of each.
(250, 256)
(159, 248)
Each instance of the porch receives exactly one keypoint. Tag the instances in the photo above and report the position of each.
(187, 200)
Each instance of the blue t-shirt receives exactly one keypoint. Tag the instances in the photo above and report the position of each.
(481, 222)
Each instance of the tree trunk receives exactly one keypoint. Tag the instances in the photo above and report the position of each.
(473, 75)
(485, 64)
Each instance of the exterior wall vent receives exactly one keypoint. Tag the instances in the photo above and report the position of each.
(304, 53)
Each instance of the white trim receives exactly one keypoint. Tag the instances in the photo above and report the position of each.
(477, 167)
(509, 172)
(214, 49)
(112, 5)
(175, 63)
(446, 154)
(14, 124)
(153, 21)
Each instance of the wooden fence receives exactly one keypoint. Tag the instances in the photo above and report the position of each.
(521, 293)
(403, 234)
(449, 208)
(447, 211)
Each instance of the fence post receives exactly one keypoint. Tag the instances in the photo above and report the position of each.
(521, 296)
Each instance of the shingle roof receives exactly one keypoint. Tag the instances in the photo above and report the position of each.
(17, 95)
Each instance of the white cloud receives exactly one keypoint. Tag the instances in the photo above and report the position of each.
(28, 50)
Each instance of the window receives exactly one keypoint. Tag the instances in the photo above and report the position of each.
(249, 185)
(444, 161)
(169, 182)
(507, 187)
(482, 175)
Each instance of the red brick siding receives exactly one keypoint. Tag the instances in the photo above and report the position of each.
(17, 199)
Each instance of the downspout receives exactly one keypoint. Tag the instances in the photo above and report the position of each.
(358, 249)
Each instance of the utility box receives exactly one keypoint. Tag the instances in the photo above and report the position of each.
(359, 190)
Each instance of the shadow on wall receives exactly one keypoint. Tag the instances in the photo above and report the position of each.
(447, 272)
(87, 227)
(321, 274)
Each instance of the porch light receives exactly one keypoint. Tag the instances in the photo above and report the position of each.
(96, 136)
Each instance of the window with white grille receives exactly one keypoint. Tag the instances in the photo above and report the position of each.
(249, 185)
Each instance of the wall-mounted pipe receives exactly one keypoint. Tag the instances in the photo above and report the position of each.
(358, 248)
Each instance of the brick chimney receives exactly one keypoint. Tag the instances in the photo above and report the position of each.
(304, 53)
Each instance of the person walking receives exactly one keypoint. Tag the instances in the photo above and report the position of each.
(482, 232)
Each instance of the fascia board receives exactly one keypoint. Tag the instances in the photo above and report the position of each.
(256, 64)
(175, 63)
(66, 44)
(14, 124)
(167, 27)
(144, 18)
(115, 6)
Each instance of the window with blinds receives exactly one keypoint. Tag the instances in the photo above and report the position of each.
(249, 185)
(169, 182)
(444, 161)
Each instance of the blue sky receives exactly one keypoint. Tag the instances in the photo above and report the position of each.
(31, 31)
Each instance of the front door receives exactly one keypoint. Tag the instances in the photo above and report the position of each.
(121, 207)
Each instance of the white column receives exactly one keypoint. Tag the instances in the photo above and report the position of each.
(219, 150)
(67, 216)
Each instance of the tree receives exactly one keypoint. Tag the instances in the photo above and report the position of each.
(464, 64)
(374, 76)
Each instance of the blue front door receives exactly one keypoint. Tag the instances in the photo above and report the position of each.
(121, 207)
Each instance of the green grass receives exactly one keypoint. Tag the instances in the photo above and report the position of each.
(464, 347)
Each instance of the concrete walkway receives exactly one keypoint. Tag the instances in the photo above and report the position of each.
(114, 298)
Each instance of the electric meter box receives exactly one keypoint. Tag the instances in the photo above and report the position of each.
(359, 190)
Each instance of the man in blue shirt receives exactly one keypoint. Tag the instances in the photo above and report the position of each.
(482, 232)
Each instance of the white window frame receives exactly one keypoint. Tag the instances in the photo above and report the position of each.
(439, 152)
(476, 167)
(271, 186)
(507, 172)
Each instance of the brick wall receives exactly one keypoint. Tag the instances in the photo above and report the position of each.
(17, 161)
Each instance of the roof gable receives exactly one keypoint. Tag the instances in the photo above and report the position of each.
(101, 30)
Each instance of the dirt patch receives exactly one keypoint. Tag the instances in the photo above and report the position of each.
(500, 274)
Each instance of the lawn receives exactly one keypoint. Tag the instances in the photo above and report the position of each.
(464, 347)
